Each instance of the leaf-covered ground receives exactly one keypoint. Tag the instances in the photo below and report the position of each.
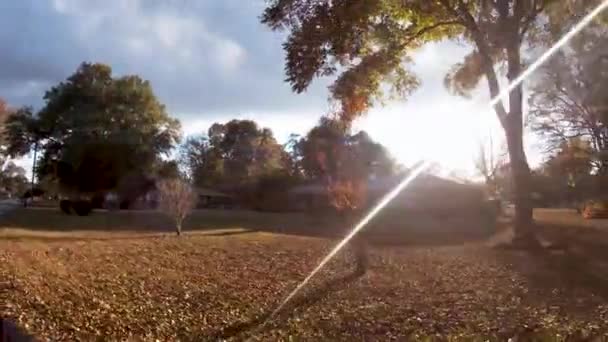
(214, 286)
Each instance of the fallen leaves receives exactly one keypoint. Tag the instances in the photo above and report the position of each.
(210, 288)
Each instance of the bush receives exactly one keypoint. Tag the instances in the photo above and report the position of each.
(595, 210)
(82, 208)
(124, 204)
(66, 206)
(97, 201)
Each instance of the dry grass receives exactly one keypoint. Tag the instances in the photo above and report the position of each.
(145, 285)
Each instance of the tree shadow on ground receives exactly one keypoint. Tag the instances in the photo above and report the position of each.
(383, 231)
(575, 260)
(9, 331)
(255, 325)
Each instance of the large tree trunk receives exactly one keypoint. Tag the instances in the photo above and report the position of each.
(511, 121)
(358, 244)
(361, 254)
(521, 176)
(178, 227)
(520, 170)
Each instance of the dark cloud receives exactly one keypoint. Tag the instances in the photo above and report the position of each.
(203, 57)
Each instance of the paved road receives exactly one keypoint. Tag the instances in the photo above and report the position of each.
(8, 205)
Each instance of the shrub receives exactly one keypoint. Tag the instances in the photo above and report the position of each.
(66, 206)
(124, 204)
(595, 210)
(97, 201)
(82, 208)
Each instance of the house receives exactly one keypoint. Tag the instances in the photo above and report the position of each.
(429, 204)
(148, 200)
(208, 198)
(425, 193)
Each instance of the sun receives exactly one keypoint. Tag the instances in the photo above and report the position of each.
(448, 134)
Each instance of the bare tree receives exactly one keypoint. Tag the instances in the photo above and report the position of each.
(488, 163)
(177, 199)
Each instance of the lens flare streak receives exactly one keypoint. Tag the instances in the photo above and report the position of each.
(383, 202)
(547, 54)
(416, 171)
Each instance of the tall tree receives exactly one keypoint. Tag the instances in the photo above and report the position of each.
(4, 113)
(12, 179)
(569, 170)
(568, 98)
(333, 141)
(95, 129)
(370, 43)
(203, 162)
(236, 153)
(344, 163)
(293, 158)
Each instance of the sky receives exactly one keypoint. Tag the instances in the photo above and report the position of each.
(211, 61)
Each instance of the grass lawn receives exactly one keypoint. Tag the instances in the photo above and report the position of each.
(124, 275)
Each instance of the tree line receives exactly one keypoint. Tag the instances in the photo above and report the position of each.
(97, 132)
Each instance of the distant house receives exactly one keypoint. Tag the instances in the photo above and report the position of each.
(208, 198)
(425, 193)
(148, 200)
(427, 204)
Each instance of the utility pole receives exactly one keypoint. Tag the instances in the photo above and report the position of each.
(33, 175)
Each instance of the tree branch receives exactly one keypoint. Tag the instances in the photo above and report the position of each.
(427, 29)
(534, 12)
(484, 51)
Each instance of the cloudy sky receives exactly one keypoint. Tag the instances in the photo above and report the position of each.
(211, 61)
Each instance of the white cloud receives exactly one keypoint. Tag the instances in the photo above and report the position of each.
(60, 6)
(229, 54)
(171, 35)
(170, 30)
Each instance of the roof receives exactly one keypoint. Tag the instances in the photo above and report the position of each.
(210, 193)
(385, 184)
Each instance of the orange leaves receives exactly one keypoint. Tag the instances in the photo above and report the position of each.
(349, 194)
(352, 107)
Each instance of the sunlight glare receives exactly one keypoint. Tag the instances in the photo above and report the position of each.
(424, 164)
(545, 56)
(383, 202)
